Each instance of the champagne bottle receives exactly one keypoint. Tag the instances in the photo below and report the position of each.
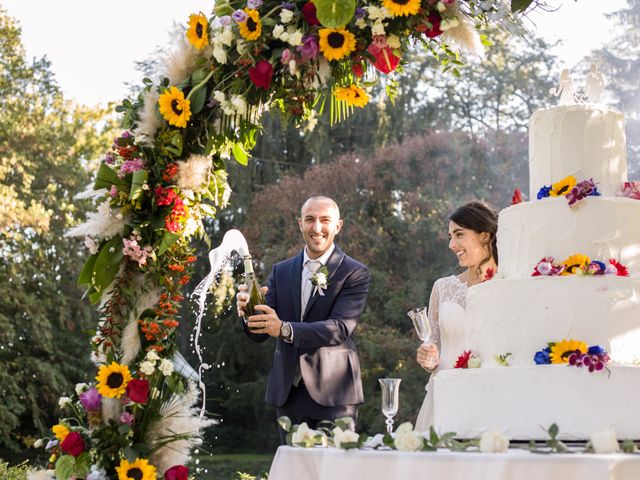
(253, 289)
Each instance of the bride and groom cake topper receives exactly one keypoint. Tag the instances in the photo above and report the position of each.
(593, 88)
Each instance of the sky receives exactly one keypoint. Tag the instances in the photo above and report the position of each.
(93, 45)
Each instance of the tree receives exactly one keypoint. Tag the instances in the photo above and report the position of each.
(46, 147)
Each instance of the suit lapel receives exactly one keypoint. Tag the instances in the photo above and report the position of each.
(296, 279)
(332, 265)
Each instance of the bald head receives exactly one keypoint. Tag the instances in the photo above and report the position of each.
(330, 202)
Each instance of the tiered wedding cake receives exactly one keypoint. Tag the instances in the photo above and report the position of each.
(519, 314)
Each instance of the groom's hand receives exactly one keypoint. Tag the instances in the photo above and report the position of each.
(242, 298)
(266, 322)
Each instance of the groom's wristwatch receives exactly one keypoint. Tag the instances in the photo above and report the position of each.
(286, 331)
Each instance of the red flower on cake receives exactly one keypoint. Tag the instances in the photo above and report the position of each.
(463, 360)
(489, 274)
(517, 197)
(621, 270)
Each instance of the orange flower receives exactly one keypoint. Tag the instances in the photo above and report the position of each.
(184, 279)
(171, 323)
(170, 172)
(176, 268)
(191, 259)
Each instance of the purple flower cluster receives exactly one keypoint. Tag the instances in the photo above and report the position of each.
(583, 189)
(595, 359)
(131, 166)
(91, 400)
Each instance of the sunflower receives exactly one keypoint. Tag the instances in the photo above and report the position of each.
(399, 8)
(141, 469)
(336, 43)
(198, 33)
(251, 28)
(561, 350)
(113, 379)
(562, 187)
(574, 263)
(60, 431)
(353, 95)
(174, 107)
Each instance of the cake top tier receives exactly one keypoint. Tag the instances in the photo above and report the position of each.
(583, 140)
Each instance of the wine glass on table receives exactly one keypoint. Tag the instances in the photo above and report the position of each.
(421, 324)
(390, 399)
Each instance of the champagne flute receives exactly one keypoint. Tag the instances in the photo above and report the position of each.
(421, 324)
(390, 399)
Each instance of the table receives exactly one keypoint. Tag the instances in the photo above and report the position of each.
(334, 464)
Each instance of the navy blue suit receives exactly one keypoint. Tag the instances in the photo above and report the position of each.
(323, 340)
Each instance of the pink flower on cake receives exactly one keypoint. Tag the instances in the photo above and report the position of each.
(630, 190)
(547, 267)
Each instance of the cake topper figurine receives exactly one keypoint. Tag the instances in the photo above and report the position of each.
(565, 89)
(595, 84)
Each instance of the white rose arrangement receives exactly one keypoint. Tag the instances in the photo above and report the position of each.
(605, 442)
(494, 442)
(407, 439)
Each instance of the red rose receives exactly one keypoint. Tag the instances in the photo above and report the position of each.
(73, 444)
(261, 74)
(309, 13)
(178, 472)
(434, 31)
(138, 390)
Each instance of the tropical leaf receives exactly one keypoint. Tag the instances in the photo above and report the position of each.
(335, 13)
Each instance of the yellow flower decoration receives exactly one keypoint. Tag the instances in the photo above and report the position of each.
(336, 43)
(141, 469)
(575, 263)
(198, 33)
(112, 380)
(353, 95)
(562, 187)
(251, 28)
(174, 108)
(561, 350)
(399, 8)
(60, 431)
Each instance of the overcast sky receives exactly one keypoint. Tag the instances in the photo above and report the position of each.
(93, 44)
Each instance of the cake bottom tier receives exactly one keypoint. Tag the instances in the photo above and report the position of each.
(523, 402)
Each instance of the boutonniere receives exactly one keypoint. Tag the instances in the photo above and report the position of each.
(320, 280)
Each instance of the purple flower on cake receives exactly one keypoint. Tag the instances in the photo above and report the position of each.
(595, 361)
(596, 267)
(586, 188)
(239, 16)
(630, 190)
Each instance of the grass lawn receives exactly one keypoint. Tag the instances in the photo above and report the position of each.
(233, 466)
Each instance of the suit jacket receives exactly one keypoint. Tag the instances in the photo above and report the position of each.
(329, 362)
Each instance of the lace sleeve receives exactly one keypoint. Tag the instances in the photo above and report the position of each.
(434, 314)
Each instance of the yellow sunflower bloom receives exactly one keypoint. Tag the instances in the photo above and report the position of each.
(60, 431)
(251, 28)
(562, 187)
(353, 95)
(336, 43)
(141, 469)
(198, 33)
(399, 8)
(112, 380)
(174, 108)
(575, 263)
(561, 350)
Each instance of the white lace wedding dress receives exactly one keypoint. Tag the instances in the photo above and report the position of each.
(447, 317)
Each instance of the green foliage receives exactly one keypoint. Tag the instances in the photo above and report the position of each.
(17, 472)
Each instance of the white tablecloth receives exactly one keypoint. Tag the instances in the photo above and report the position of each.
(334, 464)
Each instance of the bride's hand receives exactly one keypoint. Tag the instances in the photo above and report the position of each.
(428, 356)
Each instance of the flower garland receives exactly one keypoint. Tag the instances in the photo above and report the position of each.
(574, 353)
(578, 264)
(468, 359)
(166, 173)
(571, 189)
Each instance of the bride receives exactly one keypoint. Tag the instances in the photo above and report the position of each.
(472, 238)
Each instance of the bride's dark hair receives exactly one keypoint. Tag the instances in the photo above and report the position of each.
(480, 218)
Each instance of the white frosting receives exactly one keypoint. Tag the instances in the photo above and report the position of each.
(586, 141)
(599, 227)
(522, 402)
(520, 316)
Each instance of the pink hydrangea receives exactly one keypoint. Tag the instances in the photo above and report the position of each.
(134, 251)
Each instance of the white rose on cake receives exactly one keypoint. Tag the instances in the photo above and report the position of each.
(344, 436)
(605, 442)
(302, 434)
(407, 439)
(494, 442)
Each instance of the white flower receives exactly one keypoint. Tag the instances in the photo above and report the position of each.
(152, 356)
(194, 173)
(219, 96)
(147, 368)
(227, 108)
(409, 441)
(286, 15)
(242, 47)
(38, 443)
(375, 441)
(377, 28)
(91, 245)
(295, 38)
(393, 41)
(97, 473)
(166, 367)
(494, 442)
(377, 13)
(474, 362)
(344, 436)
(449, 23)
(405, 427)
(605, 442)
(64, 401)
(239, 104)
(441, 7)
(226, 37)
(81, 388)
(278, 30)
(220, 54)
(293, 67)
(302, 434)
(361, 23)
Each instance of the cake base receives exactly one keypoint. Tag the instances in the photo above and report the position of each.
(523, 402)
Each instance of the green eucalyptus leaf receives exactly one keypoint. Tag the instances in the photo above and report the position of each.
(553, 431)
(64, 467)
(335, 13)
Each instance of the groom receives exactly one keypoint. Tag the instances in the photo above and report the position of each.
(315, 373)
